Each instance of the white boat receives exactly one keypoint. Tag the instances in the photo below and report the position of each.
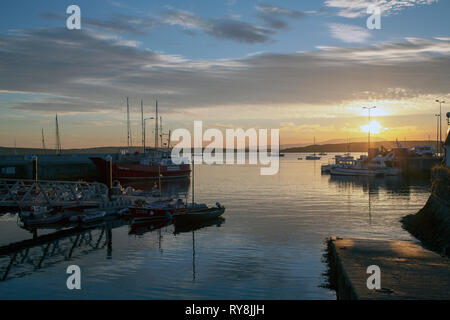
(338, 160)
(376, 167)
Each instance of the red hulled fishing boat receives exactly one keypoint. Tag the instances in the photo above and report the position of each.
(143, 166)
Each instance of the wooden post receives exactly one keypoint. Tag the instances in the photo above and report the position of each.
(34, 162)
(109, 175)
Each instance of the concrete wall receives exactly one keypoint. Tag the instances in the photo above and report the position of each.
(50, 167)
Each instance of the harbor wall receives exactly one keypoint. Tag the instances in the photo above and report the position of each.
(50, 167)
(431, 224)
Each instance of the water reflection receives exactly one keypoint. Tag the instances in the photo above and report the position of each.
(372, 185)
(22, 258)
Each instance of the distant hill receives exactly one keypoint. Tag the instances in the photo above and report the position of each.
(355, 146)
(37, 151)
(329, 147)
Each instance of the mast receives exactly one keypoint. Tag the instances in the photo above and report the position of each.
(129, 142)
(58, 140)
(161, 134)
(43, 143)
(193, 182)
(142, 126)
(168, 142)
(314, 146)
(156, 126)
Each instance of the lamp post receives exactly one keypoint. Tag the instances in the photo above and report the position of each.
(438, 116)
(144, 129)
(440, 124)
(368, 148)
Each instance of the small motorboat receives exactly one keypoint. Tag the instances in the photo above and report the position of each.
(312, 157)
(198, 213)
(157, 210)
(89, 218)
(42, 217)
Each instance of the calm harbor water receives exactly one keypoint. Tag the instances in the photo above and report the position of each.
(270, 245)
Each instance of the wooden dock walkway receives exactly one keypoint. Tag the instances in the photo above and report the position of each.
(408, 271)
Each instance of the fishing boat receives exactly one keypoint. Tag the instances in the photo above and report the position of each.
(151, 163)
(376, 167)
(142, 166)
(339, 160)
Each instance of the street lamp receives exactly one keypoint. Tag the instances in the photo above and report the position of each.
(144, 129)
(440, 123)
(438, 117)
(368, 148)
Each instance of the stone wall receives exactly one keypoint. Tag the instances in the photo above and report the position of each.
(431, 224)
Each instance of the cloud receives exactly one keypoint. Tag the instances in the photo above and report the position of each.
(119, 23)
(223, 28)
(349, 33)
(273, 15)
(83, 72)
(274, 10)
(358, 8)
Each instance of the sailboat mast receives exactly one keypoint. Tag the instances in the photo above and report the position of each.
(193, 182)
(129, 142)
(142, 127)
(43, 143)
(161, 133)
(58, 140)
(156, 126)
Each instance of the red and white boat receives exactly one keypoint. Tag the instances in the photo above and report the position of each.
(143, 166)
(158, 210)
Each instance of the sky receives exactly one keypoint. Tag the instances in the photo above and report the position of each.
(306, 67)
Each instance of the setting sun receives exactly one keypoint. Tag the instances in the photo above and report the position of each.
(374, 127)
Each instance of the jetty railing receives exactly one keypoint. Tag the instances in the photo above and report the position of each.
(26, 193)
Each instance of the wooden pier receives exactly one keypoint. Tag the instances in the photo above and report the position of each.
(408, 271)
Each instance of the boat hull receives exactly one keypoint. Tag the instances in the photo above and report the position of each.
(136, 171)
(199, 215)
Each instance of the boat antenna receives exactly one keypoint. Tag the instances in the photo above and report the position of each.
(156, 126)
(193, 181)
(168, 142)
(161, 133)
(142, 127)
(58, 140)
(43, 142)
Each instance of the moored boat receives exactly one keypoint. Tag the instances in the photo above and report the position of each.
(158, 210)
(198, 213)
(378, 166)
(143, 166)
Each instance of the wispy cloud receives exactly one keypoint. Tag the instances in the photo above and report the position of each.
(119, 23)
(95, 74)
(358, 8)
(349, 33)
(274, 15)
(223, 28)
